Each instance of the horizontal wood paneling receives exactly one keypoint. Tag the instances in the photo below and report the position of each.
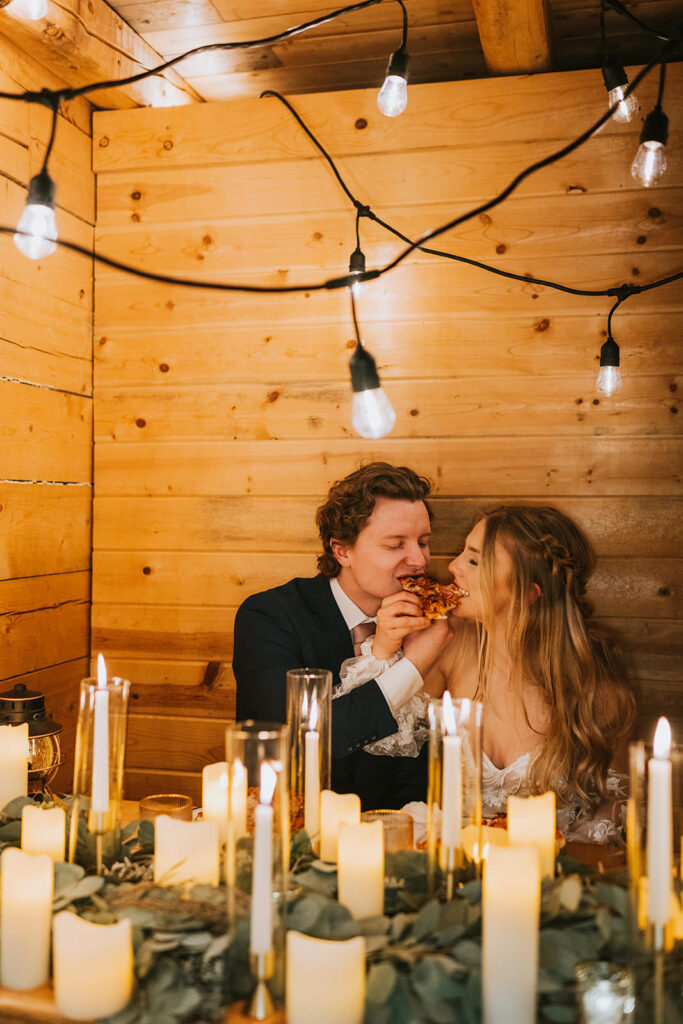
(270, 410)
(45, 528)
(222, 419)
(653, 526)
(44, 621)
(144, 782)
(46, 434)
(154, 198)
(530, 108)
(625, 586)
(45, 404)
(475, 346)
(489, 467)
(529, 227)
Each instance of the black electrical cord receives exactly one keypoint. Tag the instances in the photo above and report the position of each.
(365, 211)
(619, 8)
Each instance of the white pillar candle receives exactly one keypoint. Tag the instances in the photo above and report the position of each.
(43, 830)
(361, 868)
(25, 919)
(335, 808)
(215, 796)
(490, 836)
(659, 827)
(531, 822)
(238, 799)
(13, 762)
(451, 779)
(100, 753)
(92, 966)
(511, 909)
(261, 935)
(185, 852)
(325, 980)
(312, 773)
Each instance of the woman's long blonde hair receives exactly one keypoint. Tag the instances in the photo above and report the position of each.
(554, 643)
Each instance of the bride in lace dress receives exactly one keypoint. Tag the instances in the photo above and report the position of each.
(558, 704)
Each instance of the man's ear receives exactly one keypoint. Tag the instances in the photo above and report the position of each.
(534, 593)
(340, 551)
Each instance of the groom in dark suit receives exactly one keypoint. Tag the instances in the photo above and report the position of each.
(375, 528)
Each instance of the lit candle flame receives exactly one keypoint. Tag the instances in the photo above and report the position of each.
(101, 672)
(313, 717)
(448, 714)
(661, 747)
(268, 780)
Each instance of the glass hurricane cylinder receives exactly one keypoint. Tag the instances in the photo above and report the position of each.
(309, 715)
(95, 827)
(257, 849)
(453, 792)
(637, 835)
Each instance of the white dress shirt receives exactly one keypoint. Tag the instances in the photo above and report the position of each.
(400, 681)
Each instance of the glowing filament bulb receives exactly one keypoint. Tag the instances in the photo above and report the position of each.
(36, 233)
(35, 9)
(609, 377)
(627, 107)
(650, 160)
(393, 96)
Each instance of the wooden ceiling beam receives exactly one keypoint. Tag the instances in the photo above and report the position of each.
(81, 43)
(514, 35)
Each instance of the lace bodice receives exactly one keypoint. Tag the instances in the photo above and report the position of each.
(497, 784)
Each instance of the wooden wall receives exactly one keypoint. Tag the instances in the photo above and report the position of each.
(45, 408)
(221, 419)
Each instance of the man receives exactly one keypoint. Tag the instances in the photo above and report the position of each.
(375, 528)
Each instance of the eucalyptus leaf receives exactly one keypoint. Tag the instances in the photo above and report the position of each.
(437, 989)
(380, 981)
(14, 808)
(66, 876)
(468, 953)
(614, 896)
(427, 921)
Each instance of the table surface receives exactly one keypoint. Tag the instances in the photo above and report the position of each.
(37, 1006)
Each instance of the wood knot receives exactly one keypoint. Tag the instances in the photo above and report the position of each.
(273, 396)
(135, 217)
(141, 423)
(136, 195)
(360, 124)
(641, 239)
(663, 592)
(654, 212)
(542, 325)
(500, 249)
(163, 367)
(211, 673)
(168, 144)
(414, 412)
(146, 570)
(104, 142)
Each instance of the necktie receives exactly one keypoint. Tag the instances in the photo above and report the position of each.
(360, 633)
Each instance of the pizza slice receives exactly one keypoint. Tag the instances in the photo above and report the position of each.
(436, 600)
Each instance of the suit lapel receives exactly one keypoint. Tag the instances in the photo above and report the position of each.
(333, 631)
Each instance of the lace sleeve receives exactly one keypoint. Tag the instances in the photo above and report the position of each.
(593, 825)
(411, 717)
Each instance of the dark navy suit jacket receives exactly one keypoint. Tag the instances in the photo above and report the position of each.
(300, 625)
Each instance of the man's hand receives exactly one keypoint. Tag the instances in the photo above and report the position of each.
(399, 615)
(423, 648)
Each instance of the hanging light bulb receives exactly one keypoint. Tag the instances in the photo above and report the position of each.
(37, 228)
(33, 9)
(357, 267)
(393, 96)
(609, 377)
(371, 414)
(616, 83)
(650, 161)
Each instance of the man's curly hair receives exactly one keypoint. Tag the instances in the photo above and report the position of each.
(351, 502)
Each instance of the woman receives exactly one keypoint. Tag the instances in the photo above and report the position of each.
(559, 706)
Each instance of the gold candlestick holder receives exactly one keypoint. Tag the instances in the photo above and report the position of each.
(261, 1005)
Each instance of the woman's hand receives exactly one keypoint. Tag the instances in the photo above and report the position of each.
(398, 615)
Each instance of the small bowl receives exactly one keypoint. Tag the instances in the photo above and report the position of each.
(398, 829)
(175, 805)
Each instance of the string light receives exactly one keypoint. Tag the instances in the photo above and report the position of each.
(372, 414)
(649, 163)
(616, 83)
(34, 10)
(609, 376)
(393, 96)
(36, 235)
